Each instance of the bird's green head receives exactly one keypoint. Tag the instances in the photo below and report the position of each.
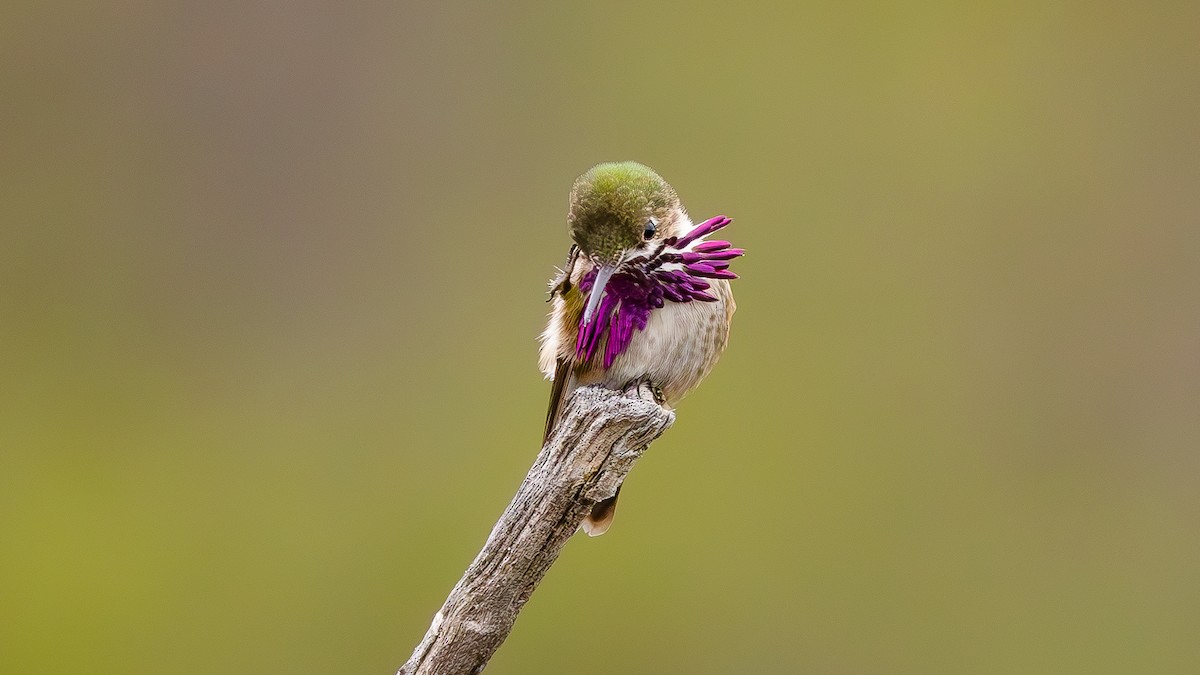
(619, 208)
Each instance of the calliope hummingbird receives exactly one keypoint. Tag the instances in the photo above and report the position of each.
(643, 301)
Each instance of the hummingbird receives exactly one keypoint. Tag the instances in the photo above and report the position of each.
(643, 302)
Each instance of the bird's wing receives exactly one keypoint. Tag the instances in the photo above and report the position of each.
(559, 392)
(600, 518)
(564, 377)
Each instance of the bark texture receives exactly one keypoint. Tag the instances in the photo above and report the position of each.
(599, 437)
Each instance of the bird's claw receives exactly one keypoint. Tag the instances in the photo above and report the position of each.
(645, 390)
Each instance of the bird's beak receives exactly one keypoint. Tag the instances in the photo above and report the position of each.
(603, 273)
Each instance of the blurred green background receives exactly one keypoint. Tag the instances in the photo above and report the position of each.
(271, 273)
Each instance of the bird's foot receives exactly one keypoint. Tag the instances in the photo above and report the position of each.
(560, 285)
(645, 390)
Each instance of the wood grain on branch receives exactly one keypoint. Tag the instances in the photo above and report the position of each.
(600, 435)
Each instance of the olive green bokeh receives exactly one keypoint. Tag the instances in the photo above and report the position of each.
(270, 278)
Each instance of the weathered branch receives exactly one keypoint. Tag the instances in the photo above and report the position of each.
(599, 437)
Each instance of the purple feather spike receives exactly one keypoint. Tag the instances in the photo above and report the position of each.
(702, 230)
(710, 246)
(642, 285)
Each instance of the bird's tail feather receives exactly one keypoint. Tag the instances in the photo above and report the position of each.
(601, 517)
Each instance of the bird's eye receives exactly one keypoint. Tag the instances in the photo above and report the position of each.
(651, 229)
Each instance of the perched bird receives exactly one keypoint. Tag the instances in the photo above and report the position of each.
(643, 300)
